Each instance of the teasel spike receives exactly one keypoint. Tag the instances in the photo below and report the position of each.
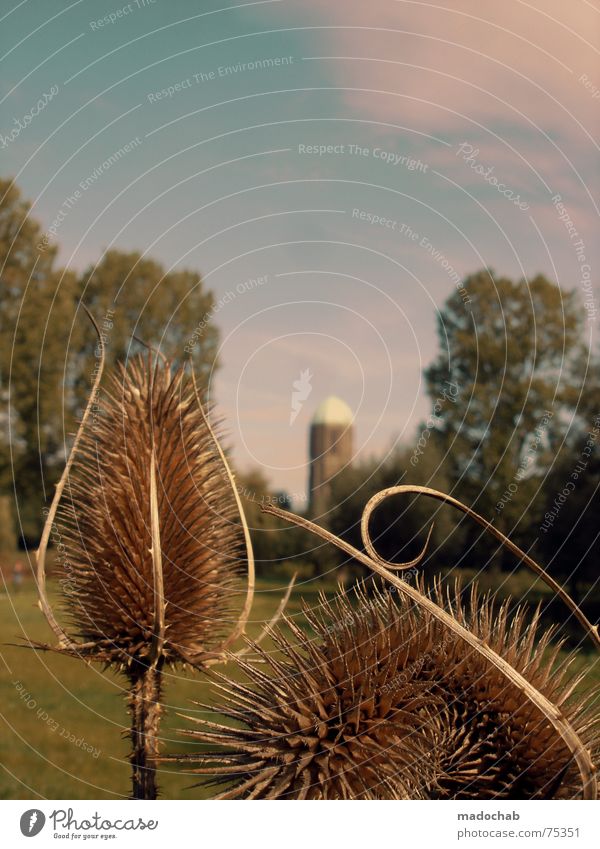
(157, 351)
(550, 711)
(592, 630)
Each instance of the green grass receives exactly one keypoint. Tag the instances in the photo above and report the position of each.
(73, 699)
(82, 701)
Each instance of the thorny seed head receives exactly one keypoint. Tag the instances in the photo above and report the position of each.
(383, 702)
(105, 522)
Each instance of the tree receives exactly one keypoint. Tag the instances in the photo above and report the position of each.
(511, 358)
(19, 259)
(37, 304)
(569, 531)
(8, 536)
(131, 295)
(49, 353)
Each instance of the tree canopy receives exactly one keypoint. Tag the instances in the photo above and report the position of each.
(170, 310)
(49, 351)
(513, 359)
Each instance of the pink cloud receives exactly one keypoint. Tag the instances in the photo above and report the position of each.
(449, 65)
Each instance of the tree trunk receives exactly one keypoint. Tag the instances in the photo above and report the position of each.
(145, 709)
(8, 536)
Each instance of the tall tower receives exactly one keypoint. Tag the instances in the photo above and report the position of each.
(331, 446)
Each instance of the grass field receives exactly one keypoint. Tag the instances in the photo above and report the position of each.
(54, 708)
(63, 722)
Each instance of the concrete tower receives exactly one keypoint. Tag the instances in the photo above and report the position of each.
(331, 438)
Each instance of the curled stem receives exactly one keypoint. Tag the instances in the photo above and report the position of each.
(376, 500)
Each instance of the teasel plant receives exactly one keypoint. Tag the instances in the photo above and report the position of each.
(427, 697)
(153, 533)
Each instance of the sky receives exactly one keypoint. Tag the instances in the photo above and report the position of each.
(332, 169)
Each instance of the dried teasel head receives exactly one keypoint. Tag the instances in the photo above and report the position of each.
(384, 702)
(148, 490)
(151, 528)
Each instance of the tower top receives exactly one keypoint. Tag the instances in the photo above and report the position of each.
(333, 411)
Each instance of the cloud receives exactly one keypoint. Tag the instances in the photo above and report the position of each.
(448, 66)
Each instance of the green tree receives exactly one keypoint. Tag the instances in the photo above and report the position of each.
(36, 308)
(130, 295)
(569, 532)
(511, 358)
(49, 352)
